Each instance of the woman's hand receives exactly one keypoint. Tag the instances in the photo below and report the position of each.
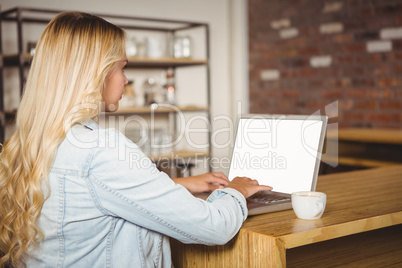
(204, 182)
(209, 182)
(247, 186)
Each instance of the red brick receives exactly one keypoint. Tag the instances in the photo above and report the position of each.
(354, 48)
(363, 81)
(316, 83)
(309, 51)
(260, 46)
(368, 11)
(293, 94)
(381, 70)
(397, 45)
(255, 75)
(352, 117)
(365, 104)
(254, 95)
(355, 71)
(383, 117)
(308, 72)
(389, 82)
(332, 94)
(269, 55)
(390, 105)
(331, 72)
(389, 10)
(397, 69)
(343, 38)
(398, 93)
(315, 105)
(343, 82)
(345, 105)
(289, 53)
(345, 58)
(297, 42)
(309, 30)
(374, 58)
(272, 94)
(289, 73)
(381, 94)
(397, 55)
(356, 93)
(285, 104)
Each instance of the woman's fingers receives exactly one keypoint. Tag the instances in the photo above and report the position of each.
(220, 175)
(247, 186)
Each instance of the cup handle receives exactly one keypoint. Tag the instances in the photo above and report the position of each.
(319, 206)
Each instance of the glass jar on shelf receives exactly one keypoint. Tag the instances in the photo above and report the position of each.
(131, 47)
(182, 47)
(153, 93)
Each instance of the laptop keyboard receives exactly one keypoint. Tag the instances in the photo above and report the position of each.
(265, 198)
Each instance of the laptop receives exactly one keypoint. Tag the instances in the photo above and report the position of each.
(282, 151)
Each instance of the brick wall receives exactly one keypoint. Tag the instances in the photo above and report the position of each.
(306, 54)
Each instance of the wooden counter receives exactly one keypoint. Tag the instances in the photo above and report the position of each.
(362, 224)
(358, 148)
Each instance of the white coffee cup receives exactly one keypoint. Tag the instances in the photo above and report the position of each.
(309, 205)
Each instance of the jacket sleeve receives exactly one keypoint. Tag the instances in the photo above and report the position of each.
(125, 183)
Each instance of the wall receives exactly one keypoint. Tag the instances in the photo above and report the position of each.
(224, 28)
(305, 55)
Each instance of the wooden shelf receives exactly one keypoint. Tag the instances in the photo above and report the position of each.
(357, 161)
(159, 110)
(133, 62)
(10, 115)
(179, 155)
(13, 60)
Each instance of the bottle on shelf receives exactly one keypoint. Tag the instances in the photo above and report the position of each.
(169, 50)
(186, 47)
(170, 88)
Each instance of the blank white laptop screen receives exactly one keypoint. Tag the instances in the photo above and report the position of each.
(279, 152)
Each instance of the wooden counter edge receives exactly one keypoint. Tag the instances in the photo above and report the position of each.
(246, 249)
(367, 135)
(339, 230)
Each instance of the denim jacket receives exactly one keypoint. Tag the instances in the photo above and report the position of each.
(109, 206)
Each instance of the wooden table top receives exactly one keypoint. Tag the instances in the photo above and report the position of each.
(370, 135)
(357, 201)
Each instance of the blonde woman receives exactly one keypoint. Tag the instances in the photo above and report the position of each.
(70, 194)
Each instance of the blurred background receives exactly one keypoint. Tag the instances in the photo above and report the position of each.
(342, 58)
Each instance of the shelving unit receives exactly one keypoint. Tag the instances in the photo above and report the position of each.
(159, 110)
(21, 16)
(133, 62)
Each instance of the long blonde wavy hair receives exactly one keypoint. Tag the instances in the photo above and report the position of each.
(73, 57)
